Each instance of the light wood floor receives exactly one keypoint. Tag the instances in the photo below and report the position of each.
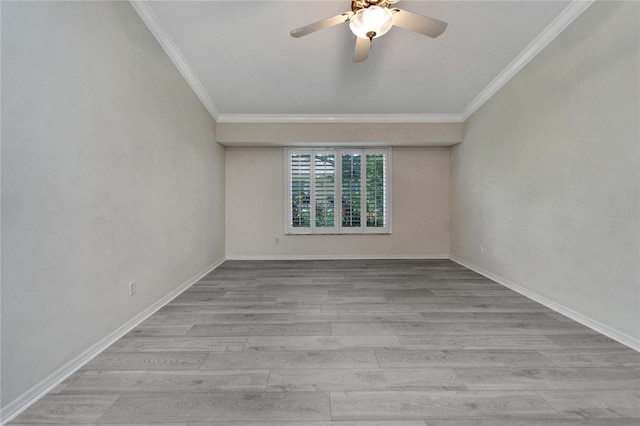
(352, 343)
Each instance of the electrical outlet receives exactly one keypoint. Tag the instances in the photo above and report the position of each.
(481, 249)
(132, 288)
(277, 240)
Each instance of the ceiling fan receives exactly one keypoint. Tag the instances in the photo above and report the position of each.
(369, 19)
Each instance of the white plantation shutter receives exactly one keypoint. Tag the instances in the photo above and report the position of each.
(300, 191)
(324, 174)
(333, 191)
(351, 188)
(376, 191)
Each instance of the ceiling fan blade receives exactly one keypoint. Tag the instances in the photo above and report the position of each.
(418, 23)
(321, 25)
(361, 53)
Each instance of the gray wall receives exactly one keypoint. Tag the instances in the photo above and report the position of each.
(420, 199)
(548, 160)
(110, 173)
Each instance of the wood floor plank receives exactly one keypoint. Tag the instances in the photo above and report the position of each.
(228, 318)
(601, 404)
(291, 359)
(111, 360)
(395, 358)
(159, 330)
(618, 357)
(494, 292)
(411, 284)
(213, 307)
(465, 300)
(302, 329)
(368, 308)
(326, 423)
(113, 424)
(220, 406)
(320, 343)
(455, 275)
(200, 296)
(432, 307)
(491, 317)
(196, 292)
(546, 328)
(298, 292)
(67, 409)
(536, 422)
(478, 328)
(331, 300)
(411, 293)
(437, 405)
(292, 277)
(295, 380)
(145, 424)
(224, 301)
(227, 283)
(121, 382)
(182, 344)
(585, 341)
(239, 307)
(334, 285)
(359, 317)
(479, 342)
(397, 328)
(549, 378)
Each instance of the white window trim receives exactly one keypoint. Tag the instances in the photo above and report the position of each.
(338, 229)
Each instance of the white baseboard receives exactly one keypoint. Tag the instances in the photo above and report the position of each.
(336, 257)
(16, 407)
(595, 325)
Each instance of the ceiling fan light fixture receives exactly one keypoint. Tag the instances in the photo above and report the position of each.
(372, 22)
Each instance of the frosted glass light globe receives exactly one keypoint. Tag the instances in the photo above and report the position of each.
(372, 22)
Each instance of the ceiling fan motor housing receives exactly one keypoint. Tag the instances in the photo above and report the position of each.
(356, 5)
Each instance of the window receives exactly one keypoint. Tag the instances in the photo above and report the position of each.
(338, 191)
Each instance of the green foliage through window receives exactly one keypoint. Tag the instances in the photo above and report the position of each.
(376, 188)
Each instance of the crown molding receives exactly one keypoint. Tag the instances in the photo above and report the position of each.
(562, 21)
(340, 118)
(150, 18)
(566, 17)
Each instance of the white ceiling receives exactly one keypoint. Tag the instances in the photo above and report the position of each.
(243, 64)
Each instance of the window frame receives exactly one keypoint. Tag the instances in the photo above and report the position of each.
(338, 229)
